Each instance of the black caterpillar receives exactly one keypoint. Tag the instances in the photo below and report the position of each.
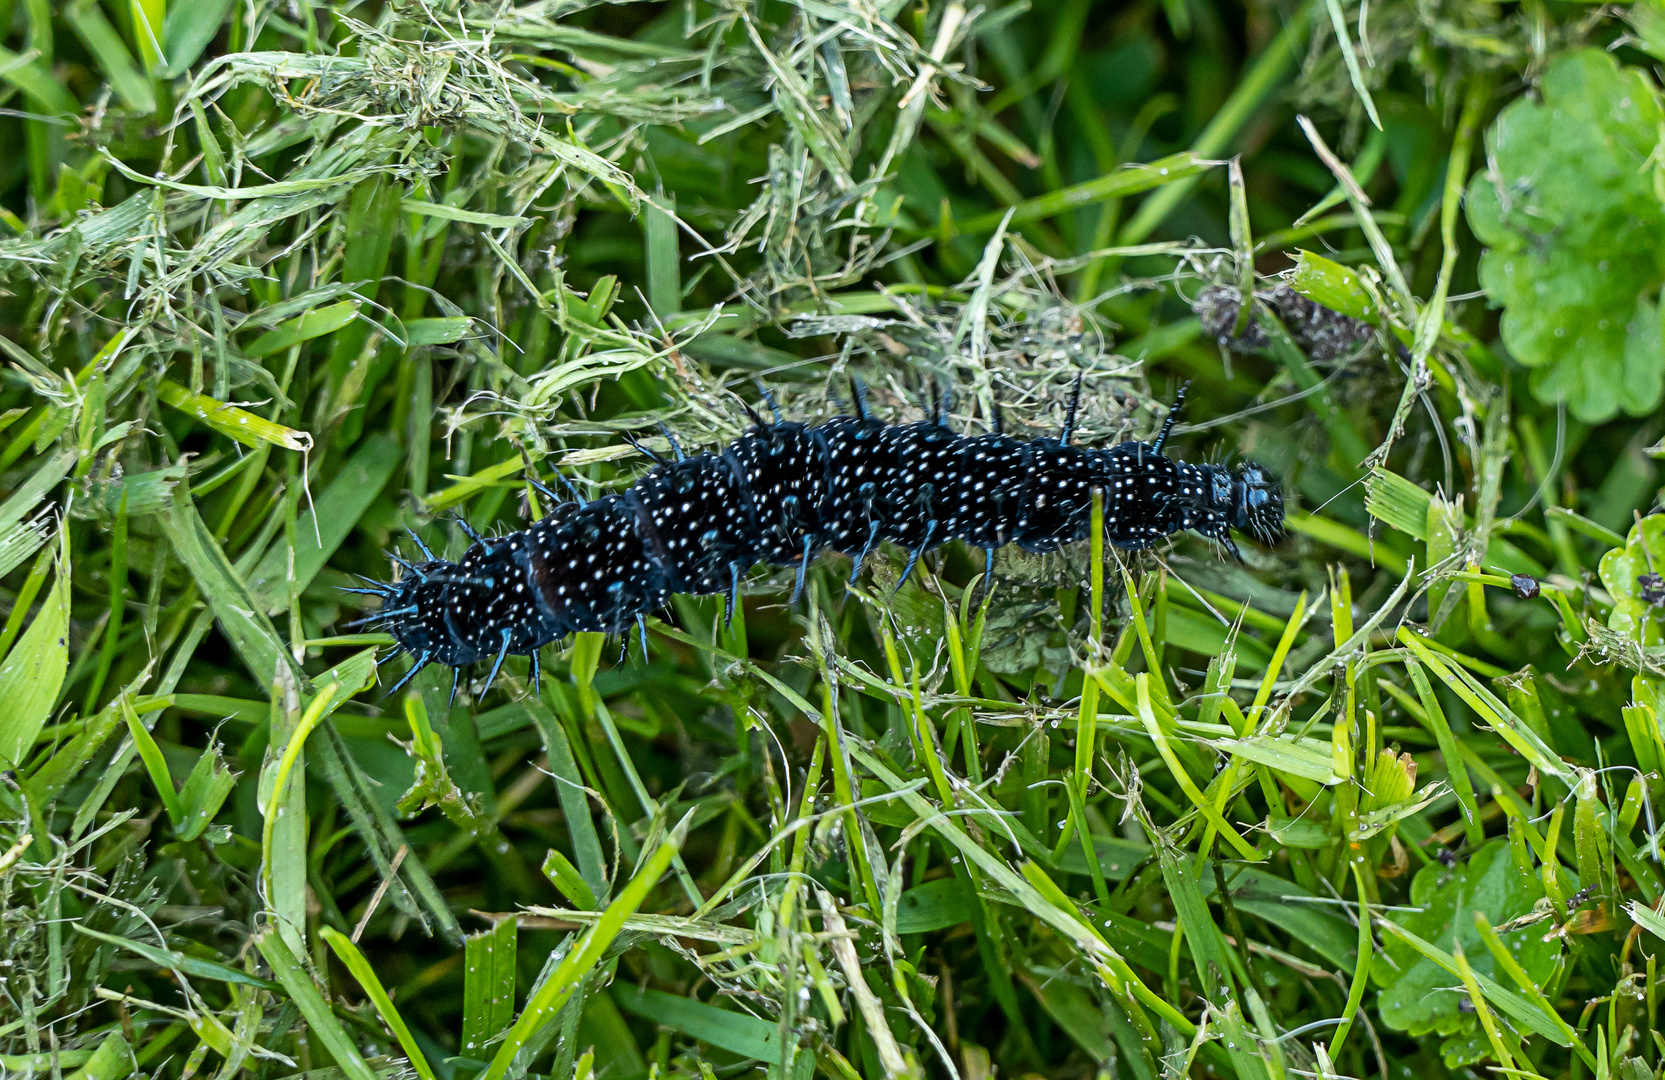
(783, 492)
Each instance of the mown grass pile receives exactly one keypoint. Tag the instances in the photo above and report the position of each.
(281, 280)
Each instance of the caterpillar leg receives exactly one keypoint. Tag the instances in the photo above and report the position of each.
(643, 449)
(1224, 537)
(641, 629)
(913, 556)
(543, 489)
(858, 397)
(866, 549)
(732, 601)
(537, 676)
(774, 407)
(571, 488)
(456, 680)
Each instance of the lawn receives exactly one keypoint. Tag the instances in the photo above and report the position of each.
(293, 293)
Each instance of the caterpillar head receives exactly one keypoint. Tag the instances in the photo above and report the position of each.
(1256, 503)
(414, 613)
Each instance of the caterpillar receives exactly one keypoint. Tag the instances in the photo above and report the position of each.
(782, 493)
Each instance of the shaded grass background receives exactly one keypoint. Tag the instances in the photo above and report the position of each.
(285, 279)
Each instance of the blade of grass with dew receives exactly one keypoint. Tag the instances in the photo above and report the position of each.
(1216, 965)
(1165, 750)
(283, 798)
(240, 617)
(1338, 22)
(585, 953)
(1504, 1047)
(488, 986)
(1514, 731)
(1361, 973)
(355, 962)
(726, 1029)
(33, 669)
(297, 984)
(169, 959)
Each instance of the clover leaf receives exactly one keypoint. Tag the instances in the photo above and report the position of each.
(1632, 576)
(1570, 211)
(1420, 997)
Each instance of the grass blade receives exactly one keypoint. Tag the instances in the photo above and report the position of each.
(297, 984)
(34, 668)
(585, 954)
(355, 962)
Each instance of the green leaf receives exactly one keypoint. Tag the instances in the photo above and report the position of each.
(565, 877)
(305, 327)
(1646, 918)
(18, 538)
(34, 669)
(240, 424)
(1309, 759)
(241, 619)
(1397, 503)
(736, 1032)
(1074, 1010)
(191, 966)
(145, 492)
(935, 905)
(552, 994)
(1622, 570)
(205, 791)
(34, 78)
(155, 764)
(444, 331)
(113, 1060)
(574, 799)
(1570, 215)
(446, 212)
(1214, 962)
(1310, 833)
(664, 259)
(1414, 998)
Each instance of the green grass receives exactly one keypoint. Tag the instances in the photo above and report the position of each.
(278, 281)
